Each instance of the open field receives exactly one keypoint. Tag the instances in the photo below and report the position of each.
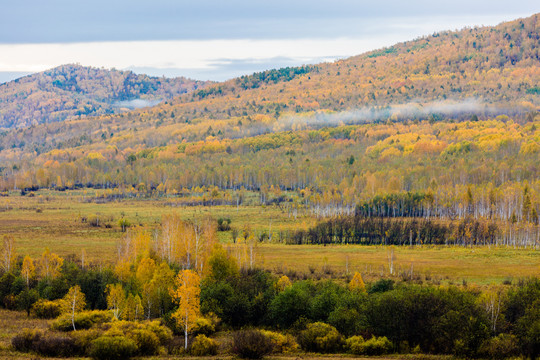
(55, 220)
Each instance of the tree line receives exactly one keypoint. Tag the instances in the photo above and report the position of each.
(380, 317)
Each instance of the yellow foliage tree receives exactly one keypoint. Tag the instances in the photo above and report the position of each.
(123, 270)
(28, 269)
(283, 283)
(357, 283)
(132, 309)
(50, 264)
(116, 298)
(187, 295)
(145, 270)
(7, 254)
(73, 302)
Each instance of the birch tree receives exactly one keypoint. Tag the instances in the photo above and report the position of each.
(7, 254)
(187, 295)
(74, 301)
(28, 269)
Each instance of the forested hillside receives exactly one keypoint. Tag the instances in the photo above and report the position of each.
(72, 91)
(452, 116)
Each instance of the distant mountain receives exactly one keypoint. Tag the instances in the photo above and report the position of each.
(72, 91)
(473, 73)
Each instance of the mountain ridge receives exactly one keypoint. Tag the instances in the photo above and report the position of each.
(494, 67)
(71, 91)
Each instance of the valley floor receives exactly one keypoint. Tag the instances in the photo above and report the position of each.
(60, 221)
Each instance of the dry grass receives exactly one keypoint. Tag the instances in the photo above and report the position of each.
(11, 323)
(54, 220)
(478, 265)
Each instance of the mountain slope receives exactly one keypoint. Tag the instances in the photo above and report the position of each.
(70, 91)
(483, 71)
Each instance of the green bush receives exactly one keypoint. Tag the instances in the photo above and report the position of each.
(500, 347)
(320, 337)
(355, 344)
(251, 344)
(373, 346)
(83, 320)
(283, 343)
(45, 309)
(203, 346)
(112, 347)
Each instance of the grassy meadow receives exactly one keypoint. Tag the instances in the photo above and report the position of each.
(59, 220)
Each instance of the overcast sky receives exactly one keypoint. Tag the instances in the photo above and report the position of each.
(220, 39)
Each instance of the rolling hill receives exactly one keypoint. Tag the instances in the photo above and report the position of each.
(442, 112)
(74, 91)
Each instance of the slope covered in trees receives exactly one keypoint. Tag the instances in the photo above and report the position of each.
(72, 91)
(336, 135)
(482, 71)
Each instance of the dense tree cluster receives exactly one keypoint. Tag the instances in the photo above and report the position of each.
(421, 231)
(327, 315)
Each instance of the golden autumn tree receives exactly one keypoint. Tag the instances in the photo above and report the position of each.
(357, 283)
(132, 309)
(116, 298)
(156, 294)
(7, 254)
(283, 283)
(145, 270)
(28, 269)
(50, 264)
(73, 302)
(187, 295)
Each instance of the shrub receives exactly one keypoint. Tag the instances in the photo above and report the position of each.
(124, 224)
(47, 345)
(45, 309)
(23, 342)
(93, 220)
(320, 337)
(83, 320)
(500, 347)
(112, 347)
(147, 336)
(224, 224)
(84, 338)
(376, 346)
(347, 321)
(251, 344)
(56, 346)
(381, 285)
(147, 342)
(355, 344)
(203, 346)
(283, 343)
(204, 326)
(163, 333)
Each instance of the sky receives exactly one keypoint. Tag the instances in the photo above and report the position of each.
(217, 39)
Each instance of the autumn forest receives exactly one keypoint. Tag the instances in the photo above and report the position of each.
(155, 216)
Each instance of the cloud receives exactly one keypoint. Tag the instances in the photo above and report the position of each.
(412, 110)
(38, 21)
(213, 59)
(136, 103)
